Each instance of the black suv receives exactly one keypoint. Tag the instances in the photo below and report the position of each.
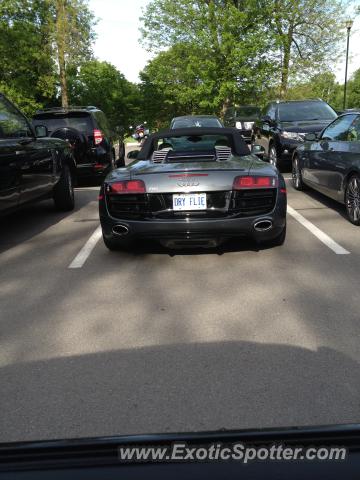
(88, 132)
(32, 167)
(243, 118)
(284, 124)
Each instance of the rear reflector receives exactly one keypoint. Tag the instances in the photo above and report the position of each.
(254, 182)
(98, 136)
(126, 186)
(99, 166)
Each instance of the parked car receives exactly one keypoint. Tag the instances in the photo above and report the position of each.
(193, 187)
(89, 134)
(330, 163)
(200, 121)
(32, 166)
(284, 124)
(243, 118)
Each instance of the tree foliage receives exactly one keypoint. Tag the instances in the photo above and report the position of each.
(211, 53)
(71, 26)
(27, 72)
(216, 51)
(307, 34)
(354, 91)
(34, 49)
(101, 84)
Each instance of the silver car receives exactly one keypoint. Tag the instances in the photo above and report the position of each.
(193, 187)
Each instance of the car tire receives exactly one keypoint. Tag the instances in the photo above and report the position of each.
(352, 199)
(297, 180)
(273, 156)
(63, 194)
(115, 244)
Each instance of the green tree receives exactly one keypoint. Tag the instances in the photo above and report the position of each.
(216, 51)
(307, 34)
(354, 90)
(27, 73)
(41, 43)
(72, 32)
(101, 84)
(322, 85)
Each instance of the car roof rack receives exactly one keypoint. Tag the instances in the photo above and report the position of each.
(67, 109)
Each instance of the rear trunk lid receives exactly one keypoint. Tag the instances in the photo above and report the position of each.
(191, 177)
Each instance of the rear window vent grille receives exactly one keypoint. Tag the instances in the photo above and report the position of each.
(159, 156)
(223, 153)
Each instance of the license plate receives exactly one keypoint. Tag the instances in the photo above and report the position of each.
(189, 201)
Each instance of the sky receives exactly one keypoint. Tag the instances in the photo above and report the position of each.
(118, 38)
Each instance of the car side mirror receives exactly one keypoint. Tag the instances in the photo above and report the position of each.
(41, 131)
(310, 137)
(258, 150)
(133, 154)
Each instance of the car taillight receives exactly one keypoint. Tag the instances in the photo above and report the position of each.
(126, 186)
(98, 136)
(254, 182)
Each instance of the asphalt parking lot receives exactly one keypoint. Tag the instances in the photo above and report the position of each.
(94, 342)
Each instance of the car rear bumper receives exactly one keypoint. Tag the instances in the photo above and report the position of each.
(195, 230)
(93, 169)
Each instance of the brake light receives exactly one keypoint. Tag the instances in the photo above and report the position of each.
(98, 136)
(126, 186)
(254, 182)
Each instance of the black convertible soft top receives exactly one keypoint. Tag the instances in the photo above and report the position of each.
(236, 141)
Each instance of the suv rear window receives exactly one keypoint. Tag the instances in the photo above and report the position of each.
(53, 121)
(303, 111)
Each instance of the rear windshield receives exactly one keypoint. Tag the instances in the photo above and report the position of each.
(297, 112)
(78, 121)
(194, 143)
(197, 122)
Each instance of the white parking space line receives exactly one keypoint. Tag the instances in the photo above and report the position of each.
(86, 250)
(322, 236)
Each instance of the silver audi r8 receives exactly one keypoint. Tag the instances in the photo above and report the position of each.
(193, 187)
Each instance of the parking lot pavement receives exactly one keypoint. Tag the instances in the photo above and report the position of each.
(155, 341)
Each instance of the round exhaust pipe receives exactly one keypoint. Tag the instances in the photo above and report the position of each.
(120, 230)
(263, 225)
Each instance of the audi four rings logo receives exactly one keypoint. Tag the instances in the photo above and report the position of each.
(188, 182)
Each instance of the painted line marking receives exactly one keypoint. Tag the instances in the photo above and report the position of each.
(322, 236)
(86, 250)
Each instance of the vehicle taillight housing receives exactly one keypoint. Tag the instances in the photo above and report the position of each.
(98, 136)
(241, 183)
(126, 187)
